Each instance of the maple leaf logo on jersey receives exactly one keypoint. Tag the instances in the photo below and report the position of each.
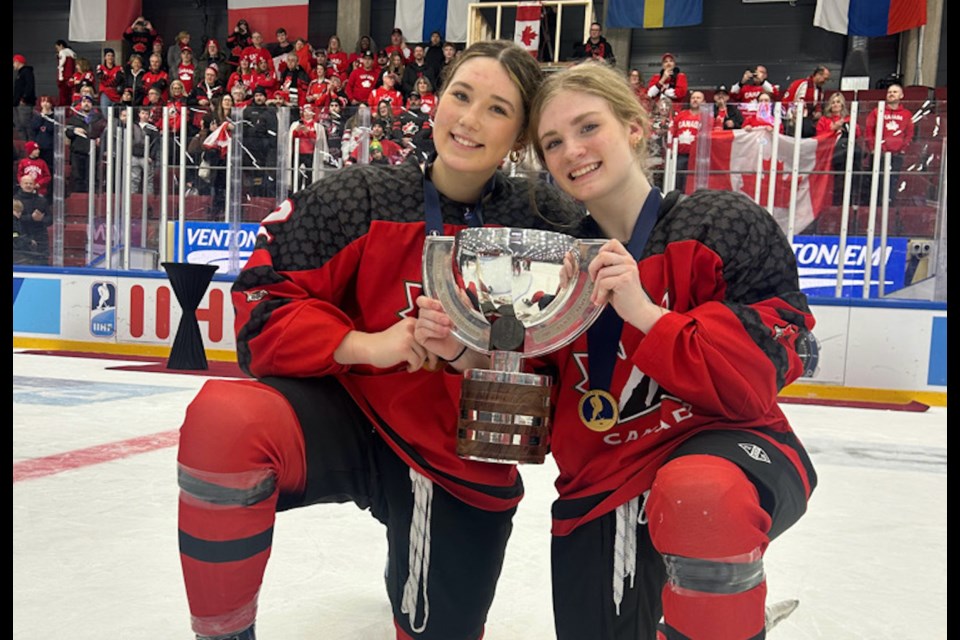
(528, 35)
(412, 290)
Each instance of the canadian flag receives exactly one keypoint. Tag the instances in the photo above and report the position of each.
(733, 167)
(527, 32)
(219, 139)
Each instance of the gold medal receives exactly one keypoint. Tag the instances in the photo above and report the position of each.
(598, 410)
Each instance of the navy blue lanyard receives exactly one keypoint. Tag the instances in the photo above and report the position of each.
(473, 217)
(603, 336)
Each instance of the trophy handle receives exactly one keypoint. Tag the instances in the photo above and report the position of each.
(470, 328)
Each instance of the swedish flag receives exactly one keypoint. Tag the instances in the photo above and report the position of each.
(653, 14)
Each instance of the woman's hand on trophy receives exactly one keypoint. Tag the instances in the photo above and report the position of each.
(434, 332)
(616, 279)
(384, 349)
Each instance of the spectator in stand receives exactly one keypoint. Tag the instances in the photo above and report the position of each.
(133, 80)
(335, 93)
(799, 109)
(155, 76)
(304, 55)
(83, 76)
(260, 139)
(66, 62)
(144, 142)
(158, 50)
(338, 60)
(317, 88)
(686, 125)
(810, 90)
(414, 115)
(671, 81)
(214, 152)
(43, 128)
(238, 41)
(305, 134)
(179, 98)
(294, 81)
(266, 77)
(394, 65)
(449, 55)
(239, 97)
(753, 82)
(35, 219)
(280, 48)
(836, 122)
(185, 71)
(212, 55)
(387, 93)
(635, 78)
(83, 129)
(333, 125)
(398, 43)
(763, 116)
(203, 97)
(155, 106)
(244, 76)
(180, 42)
(433, 52)
(31, 163)
(320, 60)
(725, 115)
(896, 135)
(364, 43)
(417, 68)
(596, 47)
(256, 51)
(23, 248)
(383, 114)
(109, 79)
(24, 94)
(140, 35)
(428, 97)
(362, 81)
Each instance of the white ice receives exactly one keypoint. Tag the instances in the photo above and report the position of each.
(95, 548)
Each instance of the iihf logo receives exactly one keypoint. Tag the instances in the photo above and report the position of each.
(103, 309)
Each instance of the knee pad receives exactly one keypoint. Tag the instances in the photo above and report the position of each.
(244, 430)
(705, 507)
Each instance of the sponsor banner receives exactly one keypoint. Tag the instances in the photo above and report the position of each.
(103, 309)
(217, 243)
(818, 262)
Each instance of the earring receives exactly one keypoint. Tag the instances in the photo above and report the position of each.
(516, 156)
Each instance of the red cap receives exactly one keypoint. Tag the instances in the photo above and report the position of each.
(667, 55)
(19, 58)
(31, 146)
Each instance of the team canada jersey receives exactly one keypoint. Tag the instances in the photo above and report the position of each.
(346, 254)
(717, 362)
(685, 127)
(896, 130)
(748, 93)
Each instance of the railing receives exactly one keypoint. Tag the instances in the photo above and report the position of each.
(861, 226)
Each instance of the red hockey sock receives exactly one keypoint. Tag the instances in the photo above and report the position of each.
(705, 519)
(240, 446)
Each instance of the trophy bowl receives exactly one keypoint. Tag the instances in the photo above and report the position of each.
(511, 293)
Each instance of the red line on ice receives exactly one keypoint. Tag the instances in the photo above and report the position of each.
(50, 465)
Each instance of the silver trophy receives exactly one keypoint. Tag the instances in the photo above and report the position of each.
(511, 293)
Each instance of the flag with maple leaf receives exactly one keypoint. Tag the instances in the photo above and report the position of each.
(733, 167)
(527, 31)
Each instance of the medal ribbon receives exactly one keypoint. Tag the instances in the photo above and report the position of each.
(431, 200)
(603, 336)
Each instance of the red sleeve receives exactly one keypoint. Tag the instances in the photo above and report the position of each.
(870, 134)
(681, 89)
(290, 322)
(823, 125)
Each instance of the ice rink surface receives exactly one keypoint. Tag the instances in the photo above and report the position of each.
(95, 525)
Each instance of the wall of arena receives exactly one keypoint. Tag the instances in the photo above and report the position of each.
(883, 351)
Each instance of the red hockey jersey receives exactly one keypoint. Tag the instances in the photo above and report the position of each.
(346, 254)
(717, 362)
